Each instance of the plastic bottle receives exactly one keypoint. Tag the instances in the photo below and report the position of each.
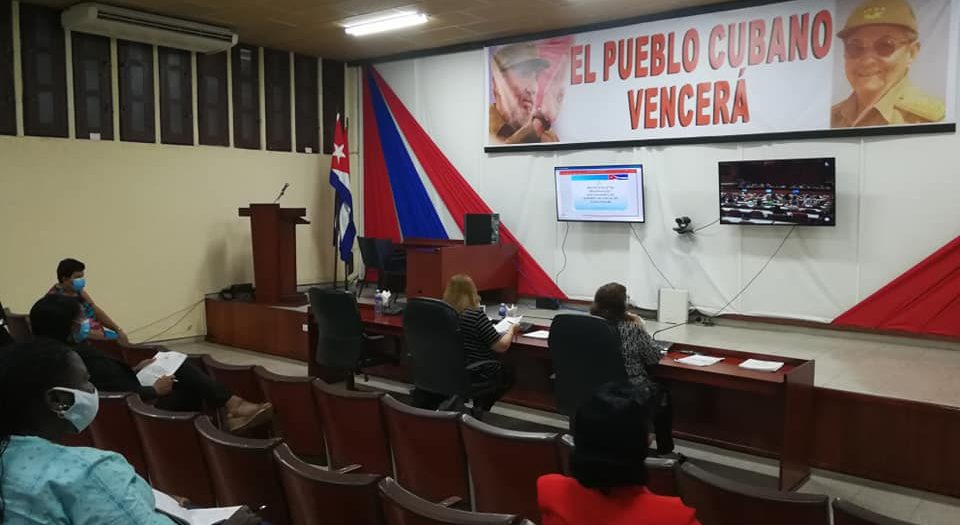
(503, 310)
(378, 303)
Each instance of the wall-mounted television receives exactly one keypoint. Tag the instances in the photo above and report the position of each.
(600, 193)
(779, 192)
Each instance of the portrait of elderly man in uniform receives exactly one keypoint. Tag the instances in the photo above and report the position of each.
(514, 115)
(880, 41)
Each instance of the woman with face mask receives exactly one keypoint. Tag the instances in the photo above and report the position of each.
(72, 282)
(61, 318)
(45, 394)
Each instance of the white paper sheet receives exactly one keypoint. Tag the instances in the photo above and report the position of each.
(506, 323)
(762, 366)
(539, 334)
(164, 364)
(170, 507)
(699, 360)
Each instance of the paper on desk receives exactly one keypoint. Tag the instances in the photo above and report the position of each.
(539, 334)
(164, 364)
(170, 507)
(506, 323)
(762, 366)
(699, 360)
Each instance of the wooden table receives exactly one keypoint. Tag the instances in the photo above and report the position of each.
(761, 413)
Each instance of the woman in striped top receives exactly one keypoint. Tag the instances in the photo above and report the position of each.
(481, 341)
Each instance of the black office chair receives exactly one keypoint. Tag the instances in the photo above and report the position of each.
(341, 341)
(438, 358)
(368, 254)
(586, 354)
(391, 264)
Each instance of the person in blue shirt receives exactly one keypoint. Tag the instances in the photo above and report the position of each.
(45, 394)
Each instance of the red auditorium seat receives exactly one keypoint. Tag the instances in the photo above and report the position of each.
(354, 427)
(404, 508)
(113, 429)
(428, 451)
(238, 378)
(846, 513)
(171, 448)
(505, 466)
(320, 497)
(722, 501)
(296, 418)
(243, 471)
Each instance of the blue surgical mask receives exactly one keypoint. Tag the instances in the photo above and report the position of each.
(79, 284)
(83, 410)
(83, 332)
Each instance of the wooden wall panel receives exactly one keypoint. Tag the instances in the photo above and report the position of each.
(890, 440)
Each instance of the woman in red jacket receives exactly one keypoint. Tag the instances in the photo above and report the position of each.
(608, 486)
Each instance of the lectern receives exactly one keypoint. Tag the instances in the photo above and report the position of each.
(274, 238)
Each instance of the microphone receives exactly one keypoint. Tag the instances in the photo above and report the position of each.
(282, 191)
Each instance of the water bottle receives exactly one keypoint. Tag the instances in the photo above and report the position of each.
(378, 303)
(503, 310)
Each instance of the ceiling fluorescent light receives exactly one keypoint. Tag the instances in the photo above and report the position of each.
(387, 22)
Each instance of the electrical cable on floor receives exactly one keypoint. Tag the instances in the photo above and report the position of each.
(171, 327)
(742, 290)
(191, 306)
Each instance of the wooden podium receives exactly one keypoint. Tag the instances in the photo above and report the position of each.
(273, 232)
(431, 263)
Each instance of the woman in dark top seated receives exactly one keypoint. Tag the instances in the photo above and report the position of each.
(481, 342)
(61, 318)
(609, 480)
(639, 354)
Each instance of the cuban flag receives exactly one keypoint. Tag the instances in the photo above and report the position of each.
(344, 230)
(411, 189)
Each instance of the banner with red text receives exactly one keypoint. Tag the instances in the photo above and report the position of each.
(801, 66)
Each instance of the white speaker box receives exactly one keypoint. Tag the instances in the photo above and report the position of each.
(673, 306)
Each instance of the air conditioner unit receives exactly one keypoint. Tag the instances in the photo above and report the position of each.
(137, 26)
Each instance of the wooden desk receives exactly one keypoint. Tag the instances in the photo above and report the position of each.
(761, 413)
(431, 263)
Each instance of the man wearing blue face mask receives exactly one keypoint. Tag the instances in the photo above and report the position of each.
(72, 282)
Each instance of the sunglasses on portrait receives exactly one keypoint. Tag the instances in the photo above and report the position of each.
(883, 47)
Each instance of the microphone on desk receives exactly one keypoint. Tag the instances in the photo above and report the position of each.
(282, 191)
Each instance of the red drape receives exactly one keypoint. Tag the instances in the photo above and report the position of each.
(379, 212)
(457, 194)
(924, 300)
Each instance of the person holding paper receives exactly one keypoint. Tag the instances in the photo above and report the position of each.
(46, 394)
(639, 354)
(61, 318)
(481, 340)
(72, 282)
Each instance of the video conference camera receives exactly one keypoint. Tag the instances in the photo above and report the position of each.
(683, 225)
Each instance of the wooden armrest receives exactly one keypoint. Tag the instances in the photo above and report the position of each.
(452, 501)
(348, 469)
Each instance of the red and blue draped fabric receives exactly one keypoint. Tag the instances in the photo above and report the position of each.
(924, 300)
(411, 189)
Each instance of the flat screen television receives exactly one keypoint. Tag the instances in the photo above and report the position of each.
(600, 193)
(779, 192)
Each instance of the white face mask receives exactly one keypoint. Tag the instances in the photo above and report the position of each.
(83, 410)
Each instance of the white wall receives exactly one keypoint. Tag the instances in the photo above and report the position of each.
(896, 205)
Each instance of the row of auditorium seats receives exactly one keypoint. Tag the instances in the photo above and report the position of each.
(370, 436)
